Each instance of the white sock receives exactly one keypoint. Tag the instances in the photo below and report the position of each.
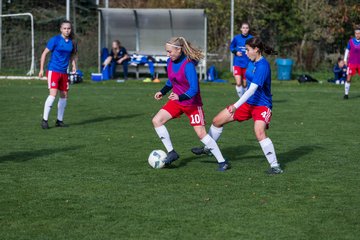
(239, 90)
(214, 148)
(215, 132)
(61, 108)
(269, 151)
(164, 135)
(47, 107)
(347, 88)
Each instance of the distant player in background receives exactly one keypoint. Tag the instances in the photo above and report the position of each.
(63, 50)
(117, 56)
(352, 60)
(184, 98)
(240, 62)
(256, 103)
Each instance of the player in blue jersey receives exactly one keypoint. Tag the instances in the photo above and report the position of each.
(255, 103)
(184, 98)
(240, 62)
(63, 50)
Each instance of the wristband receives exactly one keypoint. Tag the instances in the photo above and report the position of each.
(165, 90)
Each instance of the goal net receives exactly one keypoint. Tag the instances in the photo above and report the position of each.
(17, 44)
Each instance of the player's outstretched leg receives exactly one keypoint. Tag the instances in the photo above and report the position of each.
(211, 145)
(158, 121)
(214, 133)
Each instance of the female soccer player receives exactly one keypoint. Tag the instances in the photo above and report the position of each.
(118, 56)
(240, 62)
(63, 49)
(184, 98)
(256, 103)
(352, 60)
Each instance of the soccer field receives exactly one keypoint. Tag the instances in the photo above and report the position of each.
(92, 180)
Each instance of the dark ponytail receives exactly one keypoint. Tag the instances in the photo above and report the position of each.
(255, 42)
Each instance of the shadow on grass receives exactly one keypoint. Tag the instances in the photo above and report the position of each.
(280, 101)
(23, 156)
(235, 154)
(230, 153)
(295, 154)
(107, 118)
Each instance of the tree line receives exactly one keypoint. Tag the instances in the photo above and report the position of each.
(312, 32)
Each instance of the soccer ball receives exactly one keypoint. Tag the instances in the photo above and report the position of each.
(156, 158)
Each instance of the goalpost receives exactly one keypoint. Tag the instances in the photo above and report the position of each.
(32, 66)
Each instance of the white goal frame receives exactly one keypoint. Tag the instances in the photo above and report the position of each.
(32, 67)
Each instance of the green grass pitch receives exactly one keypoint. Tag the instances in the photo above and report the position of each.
(92, 180)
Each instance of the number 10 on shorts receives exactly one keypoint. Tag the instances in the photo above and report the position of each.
(195, 119)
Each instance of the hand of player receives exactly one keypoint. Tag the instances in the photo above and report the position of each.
(119, 61)
(231, 109)
(239, 54)
(41, 73)
(158, 96)
(173, 96)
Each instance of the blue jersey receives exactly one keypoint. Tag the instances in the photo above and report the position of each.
(238, 45)
(259, 73)
(190, 73)
(61, 51)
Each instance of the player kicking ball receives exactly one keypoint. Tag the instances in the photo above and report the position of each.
(255, 103)
(184, 98)
(63, 50)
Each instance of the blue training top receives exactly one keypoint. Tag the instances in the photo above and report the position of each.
(238, 45)
(190, 73)
(260, 73)
(61, 51)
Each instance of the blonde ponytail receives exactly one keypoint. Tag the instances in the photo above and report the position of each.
(191, 52)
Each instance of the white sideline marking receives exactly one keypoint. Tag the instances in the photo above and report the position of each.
(22, 78)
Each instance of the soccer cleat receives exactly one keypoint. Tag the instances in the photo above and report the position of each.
(201, 150)
(171, 157)
(60, 124)
(274, 170)
(346, 96)
(224, 166)
(44, 124)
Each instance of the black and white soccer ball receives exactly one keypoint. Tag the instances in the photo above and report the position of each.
(156, 158)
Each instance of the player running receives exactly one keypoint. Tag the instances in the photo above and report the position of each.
(63, 50)
(240, 62)
(352, 60)
(184, 98)
(256, 103)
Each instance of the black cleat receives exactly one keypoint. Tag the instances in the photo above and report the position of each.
(201, 151)
(274, 170)
(44, 124)
(171, 157)
(60, 124)
(346, 96)
(224, 166)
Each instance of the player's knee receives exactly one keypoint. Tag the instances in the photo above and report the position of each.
(157, 121)
(260, 134)
(217, 122)
(201, 133)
